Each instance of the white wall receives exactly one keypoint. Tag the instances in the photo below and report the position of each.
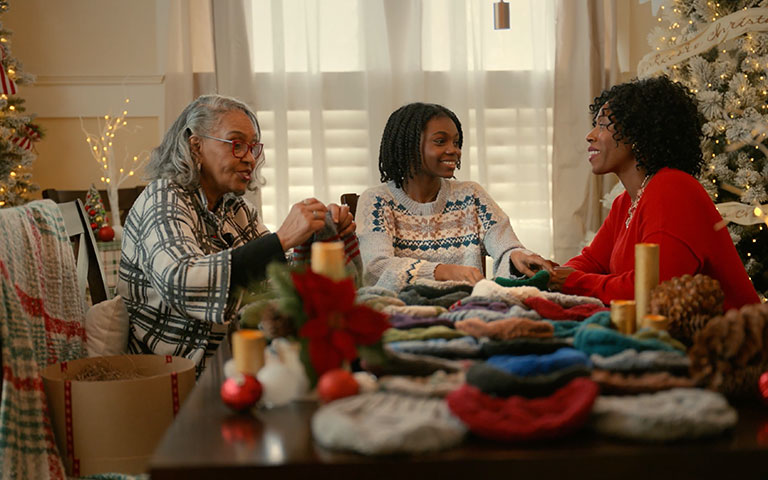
(88, 55)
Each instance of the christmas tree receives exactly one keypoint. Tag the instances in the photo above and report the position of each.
(17, 132)
(94, 207)
(719, 50)
(97, 215)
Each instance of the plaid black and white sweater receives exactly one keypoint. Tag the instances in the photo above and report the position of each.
(175, 269)
(402, 241)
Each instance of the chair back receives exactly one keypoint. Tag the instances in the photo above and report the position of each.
(126, 197)
(350, 200)
(89, 268)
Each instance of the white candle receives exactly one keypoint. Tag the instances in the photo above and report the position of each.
(328, 259)
(656, 322)
(248, 350)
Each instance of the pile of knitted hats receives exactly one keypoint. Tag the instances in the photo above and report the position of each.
(515, 362)
(526, 397)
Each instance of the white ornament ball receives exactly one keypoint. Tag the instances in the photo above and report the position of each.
(279, 384)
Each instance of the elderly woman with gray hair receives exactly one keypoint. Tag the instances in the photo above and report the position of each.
(191, 239)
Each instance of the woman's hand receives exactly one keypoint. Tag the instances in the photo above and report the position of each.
(458, 272)
(558, 276)
(528, 263)
(342, 218)
(304, 219)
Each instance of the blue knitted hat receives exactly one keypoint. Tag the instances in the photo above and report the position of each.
(526, 365)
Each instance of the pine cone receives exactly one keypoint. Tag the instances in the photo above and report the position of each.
(265, 316)
(688, 302)
(274, 324)
(729, 353)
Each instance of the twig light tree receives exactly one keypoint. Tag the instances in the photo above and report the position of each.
(114, 172)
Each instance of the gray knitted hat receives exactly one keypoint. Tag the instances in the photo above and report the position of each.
(384, 423)
(680, 413)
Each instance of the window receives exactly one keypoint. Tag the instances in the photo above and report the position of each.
(328, 73)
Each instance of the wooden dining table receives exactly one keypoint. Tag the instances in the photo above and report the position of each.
(207, 440)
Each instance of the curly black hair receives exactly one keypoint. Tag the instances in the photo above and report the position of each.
(660, 119)
(400, 150)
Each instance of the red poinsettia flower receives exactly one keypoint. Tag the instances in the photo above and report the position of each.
(335, 324)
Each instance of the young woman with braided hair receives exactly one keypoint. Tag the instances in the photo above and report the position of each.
(422, 224)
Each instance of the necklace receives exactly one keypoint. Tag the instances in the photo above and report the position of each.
(633, 206)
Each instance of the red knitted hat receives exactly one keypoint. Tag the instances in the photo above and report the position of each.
(552, 311)
(518, 418)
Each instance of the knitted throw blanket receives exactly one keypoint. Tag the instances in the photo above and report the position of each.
(42, 324)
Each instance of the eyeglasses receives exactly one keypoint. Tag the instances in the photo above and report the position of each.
(240, 149)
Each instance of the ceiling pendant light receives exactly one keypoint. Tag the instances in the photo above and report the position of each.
(501, 15)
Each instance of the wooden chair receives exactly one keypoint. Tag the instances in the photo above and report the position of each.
(89, 268)
(350, 199)
(126, 197)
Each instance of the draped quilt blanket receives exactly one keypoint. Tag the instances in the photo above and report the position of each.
(41, 323)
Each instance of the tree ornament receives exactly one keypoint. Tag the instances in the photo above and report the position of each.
(241, 392)
(95, 209)
(336, 384)
(7, 85)
(106, 234)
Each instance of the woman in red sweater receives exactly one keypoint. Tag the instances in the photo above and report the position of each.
(648, 133)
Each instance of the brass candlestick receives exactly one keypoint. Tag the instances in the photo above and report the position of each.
(646, 277)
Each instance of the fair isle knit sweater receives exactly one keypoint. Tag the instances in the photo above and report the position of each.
(402, 241)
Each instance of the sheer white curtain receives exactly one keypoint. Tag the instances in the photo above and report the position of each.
(591, 55)
(188, 60)
(325, 75)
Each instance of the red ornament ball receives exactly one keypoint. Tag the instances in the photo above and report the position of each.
(241, 393)
(94, 226)
(91, 212)
(106, 233)
(336, 384)
(762, 384)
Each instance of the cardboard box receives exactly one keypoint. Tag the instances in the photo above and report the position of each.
(115, 425)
